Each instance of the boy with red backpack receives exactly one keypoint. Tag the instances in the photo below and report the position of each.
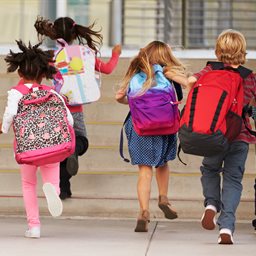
(230, 161)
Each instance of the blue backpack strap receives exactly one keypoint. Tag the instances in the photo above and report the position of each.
(159, 69)
(121, 142)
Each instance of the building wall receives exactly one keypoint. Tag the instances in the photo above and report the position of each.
(16, 20)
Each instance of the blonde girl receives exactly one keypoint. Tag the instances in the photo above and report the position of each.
(151, 151)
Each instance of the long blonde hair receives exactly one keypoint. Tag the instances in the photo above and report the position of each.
(155, 52)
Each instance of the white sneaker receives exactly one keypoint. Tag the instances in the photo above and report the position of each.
(54, 203)
(225, 236)
(208, 219)
(33, 232)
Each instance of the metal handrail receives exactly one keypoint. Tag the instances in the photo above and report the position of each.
(188, 23)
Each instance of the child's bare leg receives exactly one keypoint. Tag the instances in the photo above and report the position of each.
(144, 186)
(143, 190)
(162, 177)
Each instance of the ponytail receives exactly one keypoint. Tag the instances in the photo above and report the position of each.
(67, 29)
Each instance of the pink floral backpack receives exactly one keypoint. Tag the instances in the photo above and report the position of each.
(42, 131)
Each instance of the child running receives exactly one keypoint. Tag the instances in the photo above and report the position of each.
(224, 197)
(68, 31)
(33, 64)
(156, 150)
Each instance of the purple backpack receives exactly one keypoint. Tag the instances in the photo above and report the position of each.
(156, 111)
(43, 134)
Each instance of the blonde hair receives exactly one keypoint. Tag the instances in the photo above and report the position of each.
(155, 52)
(231, 47)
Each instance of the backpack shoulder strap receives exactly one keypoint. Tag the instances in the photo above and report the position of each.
(62, 42)
(177, 87)
(243, 71)
(21, 87)
(178, 90)
(121, 142)
(216, 65)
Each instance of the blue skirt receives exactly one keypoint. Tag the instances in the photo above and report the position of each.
(150, 150)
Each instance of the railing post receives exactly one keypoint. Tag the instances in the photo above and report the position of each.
(184, 23)
(115, 26)
(167, 21)
(61, 8)
(48, 10)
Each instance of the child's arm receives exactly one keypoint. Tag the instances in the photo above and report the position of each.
(180, 79)
(121, 97)
(108, 67)
(11, 109)
(192, 79)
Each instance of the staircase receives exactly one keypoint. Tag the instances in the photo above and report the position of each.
(105, 185)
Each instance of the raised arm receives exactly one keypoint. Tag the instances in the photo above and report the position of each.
(108, 67)
(180, 79)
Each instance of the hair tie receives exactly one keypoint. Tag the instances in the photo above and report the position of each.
(73, 24)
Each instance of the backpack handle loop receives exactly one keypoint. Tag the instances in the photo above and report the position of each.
(38, 100)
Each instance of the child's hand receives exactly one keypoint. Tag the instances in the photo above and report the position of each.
(121, 97)
(120, 94)
(253, 102)
(117, 49)
(169, 73)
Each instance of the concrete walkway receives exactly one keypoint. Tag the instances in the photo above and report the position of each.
(115, 237)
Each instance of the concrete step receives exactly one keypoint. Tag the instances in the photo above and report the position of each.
(114, 195)
(182, 186)
(106, 158)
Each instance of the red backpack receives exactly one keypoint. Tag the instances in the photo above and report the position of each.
(212, 116)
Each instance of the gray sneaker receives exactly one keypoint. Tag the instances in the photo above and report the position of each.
(72, 164)
(33, 232)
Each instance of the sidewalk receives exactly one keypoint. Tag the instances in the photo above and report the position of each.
(115, 237)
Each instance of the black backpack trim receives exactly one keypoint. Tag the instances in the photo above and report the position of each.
(192, 109)
(243, 71)
(217, 111)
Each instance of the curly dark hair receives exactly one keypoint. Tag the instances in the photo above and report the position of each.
(32, 62)
(67, 29)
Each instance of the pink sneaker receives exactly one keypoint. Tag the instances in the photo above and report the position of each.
(208, 220)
